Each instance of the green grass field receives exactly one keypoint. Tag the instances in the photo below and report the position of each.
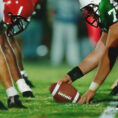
(43, 106)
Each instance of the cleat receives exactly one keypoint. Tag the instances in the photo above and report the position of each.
(114, 91)
(2, 107)
(117, 107)
(28, 81)
(14, 102)
(28, 94)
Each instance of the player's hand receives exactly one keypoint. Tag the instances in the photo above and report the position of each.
(87, 97)
(65, 79)
(114, 84)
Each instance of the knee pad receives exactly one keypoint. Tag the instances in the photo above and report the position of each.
(113, 53)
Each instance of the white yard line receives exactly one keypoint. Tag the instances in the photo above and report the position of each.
(110, 111)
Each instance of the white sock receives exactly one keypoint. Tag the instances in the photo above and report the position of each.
(11, 92)
(22, 86)
(23, 72)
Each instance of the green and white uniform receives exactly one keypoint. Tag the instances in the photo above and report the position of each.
(108, 11)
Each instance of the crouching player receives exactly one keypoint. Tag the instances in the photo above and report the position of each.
(17, 49)
(104, 55)
(14, 16)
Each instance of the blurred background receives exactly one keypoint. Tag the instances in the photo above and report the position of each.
(58, 33)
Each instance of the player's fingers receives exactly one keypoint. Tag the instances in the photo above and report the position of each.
(59, 82)
(82, 100)
(63, 80)
(69, 82)
(91, 102)
(114, 84)
(87, 101)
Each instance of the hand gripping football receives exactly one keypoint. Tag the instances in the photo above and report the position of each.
(64, 93)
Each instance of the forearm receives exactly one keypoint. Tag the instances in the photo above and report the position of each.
(92, 60)
(108, 59)
(103, 69)
(105, 66)
(89, 63)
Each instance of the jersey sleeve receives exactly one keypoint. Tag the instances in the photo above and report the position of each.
(108, 11)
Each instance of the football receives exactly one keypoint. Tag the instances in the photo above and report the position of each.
(64, 93)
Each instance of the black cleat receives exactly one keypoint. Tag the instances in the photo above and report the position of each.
(14, 102)
(28, 81)
(28, 94)
(2, 107)
(114, 91)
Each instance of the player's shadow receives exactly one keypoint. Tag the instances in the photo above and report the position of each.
(106, 100)
(72, 114)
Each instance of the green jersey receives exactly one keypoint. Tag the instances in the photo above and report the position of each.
(108, 11)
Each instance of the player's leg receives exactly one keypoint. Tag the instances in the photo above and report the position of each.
(18, 53)
(12, 63)
(5, 78)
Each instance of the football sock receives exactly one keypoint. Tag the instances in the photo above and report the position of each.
(11, 92)
(23, 72)
(22, 86)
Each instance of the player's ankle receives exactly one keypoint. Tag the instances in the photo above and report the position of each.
(22, 86)
(11, 91)
(23, 73)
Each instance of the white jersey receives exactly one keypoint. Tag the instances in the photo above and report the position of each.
(1, 16)
(1, 10)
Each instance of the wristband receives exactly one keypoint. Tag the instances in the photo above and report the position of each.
(94, 86)
(75, 73)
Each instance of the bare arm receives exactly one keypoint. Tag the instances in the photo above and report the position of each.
(108, 59)
(106, 63)
(91, 61)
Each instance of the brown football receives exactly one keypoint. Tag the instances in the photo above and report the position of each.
(64, 93)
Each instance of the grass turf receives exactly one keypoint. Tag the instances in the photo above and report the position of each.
(43, 106)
